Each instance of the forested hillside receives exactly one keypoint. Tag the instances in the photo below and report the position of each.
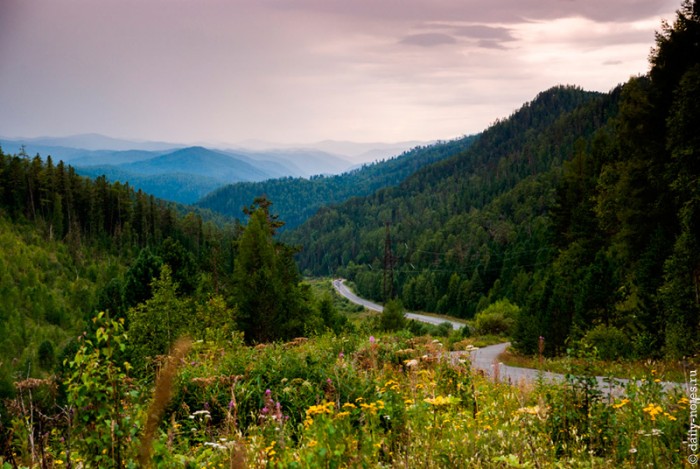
(184, 175)
(583, 209)
(296, 199)
(437, 216)
(71, 246)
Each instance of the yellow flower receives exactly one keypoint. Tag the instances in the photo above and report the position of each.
(669, 416)
(391, 384)
(312, 443)
(533, 410)
(440, 400)
(349, 405)
(408, 402)
(371, 407)
(325, 408)
(340, 415)
(622, 403)
(653, 410)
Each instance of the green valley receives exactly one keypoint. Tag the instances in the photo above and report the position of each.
(580, 208)
(137, 332)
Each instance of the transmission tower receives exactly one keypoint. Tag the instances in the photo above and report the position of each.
(388, 266)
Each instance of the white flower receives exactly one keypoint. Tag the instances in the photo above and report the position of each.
(215, 445)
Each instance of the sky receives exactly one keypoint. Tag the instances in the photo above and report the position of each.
(294, 71)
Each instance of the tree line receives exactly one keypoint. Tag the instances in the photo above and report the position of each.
(297, 199)
(581, 208)
(73, 247)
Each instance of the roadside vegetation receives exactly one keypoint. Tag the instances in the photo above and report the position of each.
(674, 371)
(365, 399)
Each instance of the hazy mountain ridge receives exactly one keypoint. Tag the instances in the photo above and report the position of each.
(428, 203)
(182, 175)
(296, 199)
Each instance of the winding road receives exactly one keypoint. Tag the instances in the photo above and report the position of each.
(486, 359)
(343, 290)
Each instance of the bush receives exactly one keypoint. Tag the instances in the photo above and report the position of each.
(46, 355)
(610, 342)
(499, 318)
(392, 318)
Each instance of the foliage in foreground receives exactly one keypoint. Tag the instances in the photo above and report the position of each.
(333, 401)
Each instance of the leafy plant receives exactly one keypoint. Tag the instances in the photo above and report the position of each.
(101, 397)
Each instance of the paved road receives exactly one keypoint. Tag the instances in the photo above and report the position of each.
(343, 290)
(340, 287)
(486, 358)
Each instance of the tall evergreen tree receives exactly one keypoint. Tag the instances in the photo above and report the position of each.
(266, 284)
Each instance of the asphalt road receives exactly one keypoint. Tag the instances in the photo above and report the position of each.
(343, 290)
(485, 359)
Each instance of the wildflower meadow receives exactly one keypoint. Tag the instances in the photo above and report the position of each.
(333, 401)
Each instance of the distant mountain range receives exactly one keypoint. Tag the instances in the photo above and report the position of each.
(174, 172)
(92, 142)
(186, 174)
(297, 199)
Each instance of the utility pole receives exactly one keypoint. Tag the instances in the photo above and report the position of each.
(388, 266)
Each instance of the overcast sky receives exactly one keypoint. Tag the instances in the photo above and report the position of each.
(304, 70)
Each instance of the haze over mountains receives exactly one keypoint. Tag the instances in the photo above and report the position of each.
(297, 199)
(185, 174)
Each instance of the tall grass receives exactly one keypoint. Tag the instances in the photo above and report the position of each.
(393, 401)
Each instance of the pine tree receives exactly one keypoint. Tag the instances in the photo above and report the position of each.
(266, 284)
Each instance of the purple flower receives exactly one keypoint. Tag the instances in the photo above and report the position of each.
(230, 404)
(329, 381)
(371, 339)
(268, 392)
(341, 355)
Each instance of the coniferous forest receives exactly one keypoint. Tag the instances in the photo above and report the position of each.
(297, 199)
(580, 208)
(136, 332)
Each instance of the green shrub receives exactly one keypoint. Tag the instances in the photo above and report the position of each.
(498, 318)
(610, 342)
(46, 355)
(99, 395)
(392, 318)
